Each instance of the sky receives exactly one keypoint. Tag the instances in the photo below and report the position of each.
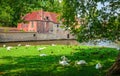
(99, 5)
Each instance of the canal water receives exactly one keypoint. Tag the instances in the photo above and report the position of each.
(57, 42)
(102, 43)
(64, 42)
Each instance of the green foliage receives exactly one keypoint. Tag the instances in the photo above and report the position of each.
(97, 23)
(25, 61)
(5, 14)
(11, 11)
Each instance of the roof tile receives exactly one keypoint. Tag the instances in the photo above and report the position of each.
(41, 15)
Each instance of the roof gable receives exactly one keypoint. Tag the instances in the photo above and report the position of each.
(41, 15)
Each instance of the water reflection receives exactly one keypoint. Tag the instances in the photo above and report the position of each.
(65, 42)
(59, 42)
(102, 43)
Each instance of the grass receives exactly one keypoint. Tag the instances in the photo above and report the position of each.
(22, 61)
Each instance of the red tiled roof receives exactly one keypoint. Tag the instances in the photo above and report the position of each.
(41, 15)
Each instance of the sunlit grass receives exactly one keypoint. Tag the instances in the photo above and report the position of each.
(26, 61)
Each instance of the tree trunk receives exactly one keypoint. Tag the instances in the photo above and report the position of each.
(115, 68)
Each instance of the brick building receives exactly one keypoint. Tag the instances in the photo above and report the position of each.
(42, 22)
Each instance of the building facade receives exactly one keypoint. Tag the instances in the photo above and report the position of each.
(43, 22)
(39, 21)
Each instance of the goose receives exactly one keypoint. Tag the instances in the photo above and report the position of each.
(98, 66)
(81, 62)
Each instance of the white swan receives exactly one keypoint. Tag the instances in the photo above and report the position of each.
(27, 45)
(19, 45)
(53, 45)
(4, 45)
(9, 48)
(98, 66)
(39, 49)
(43, 55)
(64, 63)
(64, 58)
(81, 62)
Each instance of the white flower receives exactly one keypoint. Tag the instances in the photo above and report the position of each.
(98, 66)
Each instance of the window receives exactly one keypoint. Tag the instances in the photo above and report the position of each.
(57, 25)
(32, 24)
(34, 35)
(68, 36)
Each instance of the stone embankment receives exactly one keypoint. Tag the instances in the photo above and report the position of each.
(31, 36)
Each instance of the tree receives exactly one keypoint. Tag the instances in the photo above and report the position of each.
(5, 13)
(11, 11)
(95, 19)
(100, 20)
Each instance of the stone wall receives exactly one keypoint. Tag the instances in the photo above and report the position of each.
(30, 36)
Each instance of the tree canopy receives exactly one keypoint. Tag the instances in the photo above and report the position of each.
(101, 18)
(98, 18)
(12, 10)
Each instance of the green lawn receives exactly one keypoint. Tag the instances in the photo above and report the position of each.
(22, 61)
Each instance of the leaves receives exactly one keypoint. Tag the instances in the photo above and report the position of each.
(98, 18)
(12, 10)
(98, 23)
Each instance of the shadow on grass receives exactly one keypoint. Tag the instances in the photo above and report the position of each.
(49, 65)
